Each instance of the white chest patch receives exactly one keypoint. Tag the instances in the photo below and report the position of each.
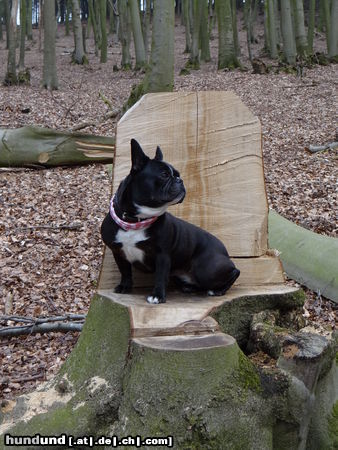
(129, 239)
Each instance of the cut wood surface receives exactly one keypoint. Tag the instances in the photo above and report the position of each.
(215, 143)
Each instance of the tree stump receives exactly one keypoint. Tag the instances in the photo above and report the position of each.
(176, 372)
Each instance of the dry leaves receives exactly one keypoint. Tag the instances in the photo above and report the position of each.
(49, 271)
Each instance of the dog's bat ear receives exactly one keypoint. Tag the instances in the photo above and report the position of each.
(138, 158)
(159, 154)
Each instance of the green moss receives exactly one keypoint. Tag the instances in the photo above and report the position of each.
(234, 317)
(136, 93)
(248, 374)
(333, 425)
(185, 71)
(94, 355)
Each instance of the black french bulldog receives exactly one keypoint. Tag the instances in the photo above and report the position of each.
(142, 234)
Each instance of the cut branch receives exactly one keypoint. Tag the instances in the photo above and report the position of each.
(42, 324)
(322, 148)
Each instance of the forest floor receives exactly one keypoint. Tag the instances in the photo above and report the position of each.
(55, 271)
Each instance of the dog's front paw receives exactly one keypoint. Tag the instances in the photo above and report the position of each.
(123, 289)
(154, 300)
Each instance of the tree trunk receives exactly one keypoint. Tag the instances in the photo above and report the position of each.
(79, 56)
(326, 13)
(234, 27)
(311, 25)
(300, 35)
(23, 22)
(161, 75)
(227, 57)
(29, 28)
(289, 44)
(333, 34)
(186, 16)
(137, 33)
(272, 29)
(204, 32)
(11, 77)
(194, 61)
(146, 27)
(124, 33)
(93, 21)
(50, 80)
(42, 147)
(103, 22)
(7, 23)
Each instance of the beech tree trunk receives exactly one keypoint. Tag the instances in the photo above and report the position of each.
(333, 34)
(311, 25)
(137, 33)
(289, 44)
(23, 23)
(79, 56)
(186, 15)
(227, 57)
(29, 28)
(300, 35)
(161, 75)
(194, 61)
(124, 33)
(272, 29)
(11, 77)
(204, 32)
(103, 22)
(50, 80)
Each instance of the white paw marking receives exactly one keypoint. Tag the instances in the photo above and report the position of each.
(153, 300)
(211, 293)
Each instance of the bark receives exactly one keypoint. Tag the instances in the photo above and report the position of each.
(50, 80)
(204, 32)
(7, 23)
(124, 33)
(227, 57)
(311, 25)
(325, 6)
(289, 44)
(11, 76)
(186, 16)
(161, 75)
(272, 29)
(307, 257)
(234, 27)
(93, 22)
(137, 33)
(79, 56)
(146, 27)
(333, 34)
(103, 22)
(23, 22)
(29, 29)
(300, 35)
(39, 147)
(194, 61)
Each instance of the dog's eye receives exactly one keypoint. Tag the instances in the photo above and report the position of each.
(165, 175)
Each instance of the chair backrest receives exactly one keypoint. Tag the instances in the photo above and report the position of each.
(214, 141)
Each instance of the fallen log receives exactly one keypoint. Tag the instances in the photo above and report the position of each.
(307, 257)
(36, 147)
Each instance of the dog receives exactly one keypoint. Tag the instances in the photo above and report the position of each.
(142, 234)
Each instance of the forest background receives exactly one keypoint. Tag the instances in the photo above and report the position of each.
(50, 252)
